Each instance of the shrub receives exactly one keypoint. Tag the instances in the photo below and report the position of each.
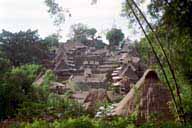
(15, 88)
(82, 122)
(35, 124)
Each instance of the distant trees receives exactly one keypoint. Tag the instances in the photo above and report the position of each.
(114, 36)
(22, 47)
(51, 41)
(87, 36)
(81, 33)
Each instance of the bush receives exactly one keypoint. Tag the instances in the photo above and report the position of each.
(54, 106)
(35, 124)
(30, 110)
(82, 122)
(15, 88)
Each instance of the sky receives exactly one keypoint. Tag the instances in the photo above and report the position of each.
(16, 15)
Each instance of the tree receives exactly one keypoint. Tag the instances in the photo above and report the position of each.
(99, 44)
(51, 41)
(176, 13)
(81, 33)
(22, 47)
(114, 36)
(91, 33)
(4, 63)
(16, 87)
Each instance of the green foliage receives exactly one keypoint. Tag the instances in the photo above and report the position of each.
(81, 33)
(42, 91)
(91, 32)
(56, 11)
(15, 88)
(176, 13)
(165, 125)
(51, 41)
(114, 36)
(82, 122)
(99, 44)
(55, 106)
(35, 124)
(30, 110)
(4, 63)
(48, 78)
(22, 47)
(86, 122)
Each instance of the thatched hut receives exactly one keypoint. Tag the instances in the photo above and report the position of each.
(95, 97)
(149, 98)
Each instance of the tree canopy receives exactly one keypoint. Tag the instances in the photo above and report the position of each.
(80, 32)
(22, 47)
(51, 40)
(114, 36)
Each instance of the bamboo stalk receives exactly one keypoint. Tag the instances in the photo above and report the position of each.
(156, 56)
(166, 57)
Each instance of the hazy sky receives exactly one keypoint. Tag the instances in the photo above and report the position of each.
(16, 15)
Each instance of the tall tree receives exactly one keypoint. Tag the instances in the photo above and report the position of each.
(51, 41)
(22, 47)
(114, 36)
(81, 33)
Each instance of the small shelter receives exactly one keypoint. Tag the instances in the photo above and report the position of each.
(148, 99)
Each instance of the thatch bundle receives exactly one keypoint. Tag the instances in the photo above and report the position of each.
(148, 98)
(94, 97)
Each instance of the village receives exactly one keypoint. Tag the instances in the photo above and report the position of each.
(99, 76)
(96, 64)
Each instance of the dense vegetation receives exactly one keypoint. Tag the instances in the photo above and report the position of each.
(114, 36)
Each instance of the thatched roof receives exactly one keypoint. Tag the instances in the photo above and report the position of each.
(80, 95)
(94, 97)
(135, 60)
(147, 97)
(61, 60)
(87, 72)
(94, 78)
(130, 72)
(73, 46)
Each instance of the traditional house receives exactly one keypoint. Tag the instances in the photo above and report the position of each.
(149, 98)
(124, 77)
(89, 80)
